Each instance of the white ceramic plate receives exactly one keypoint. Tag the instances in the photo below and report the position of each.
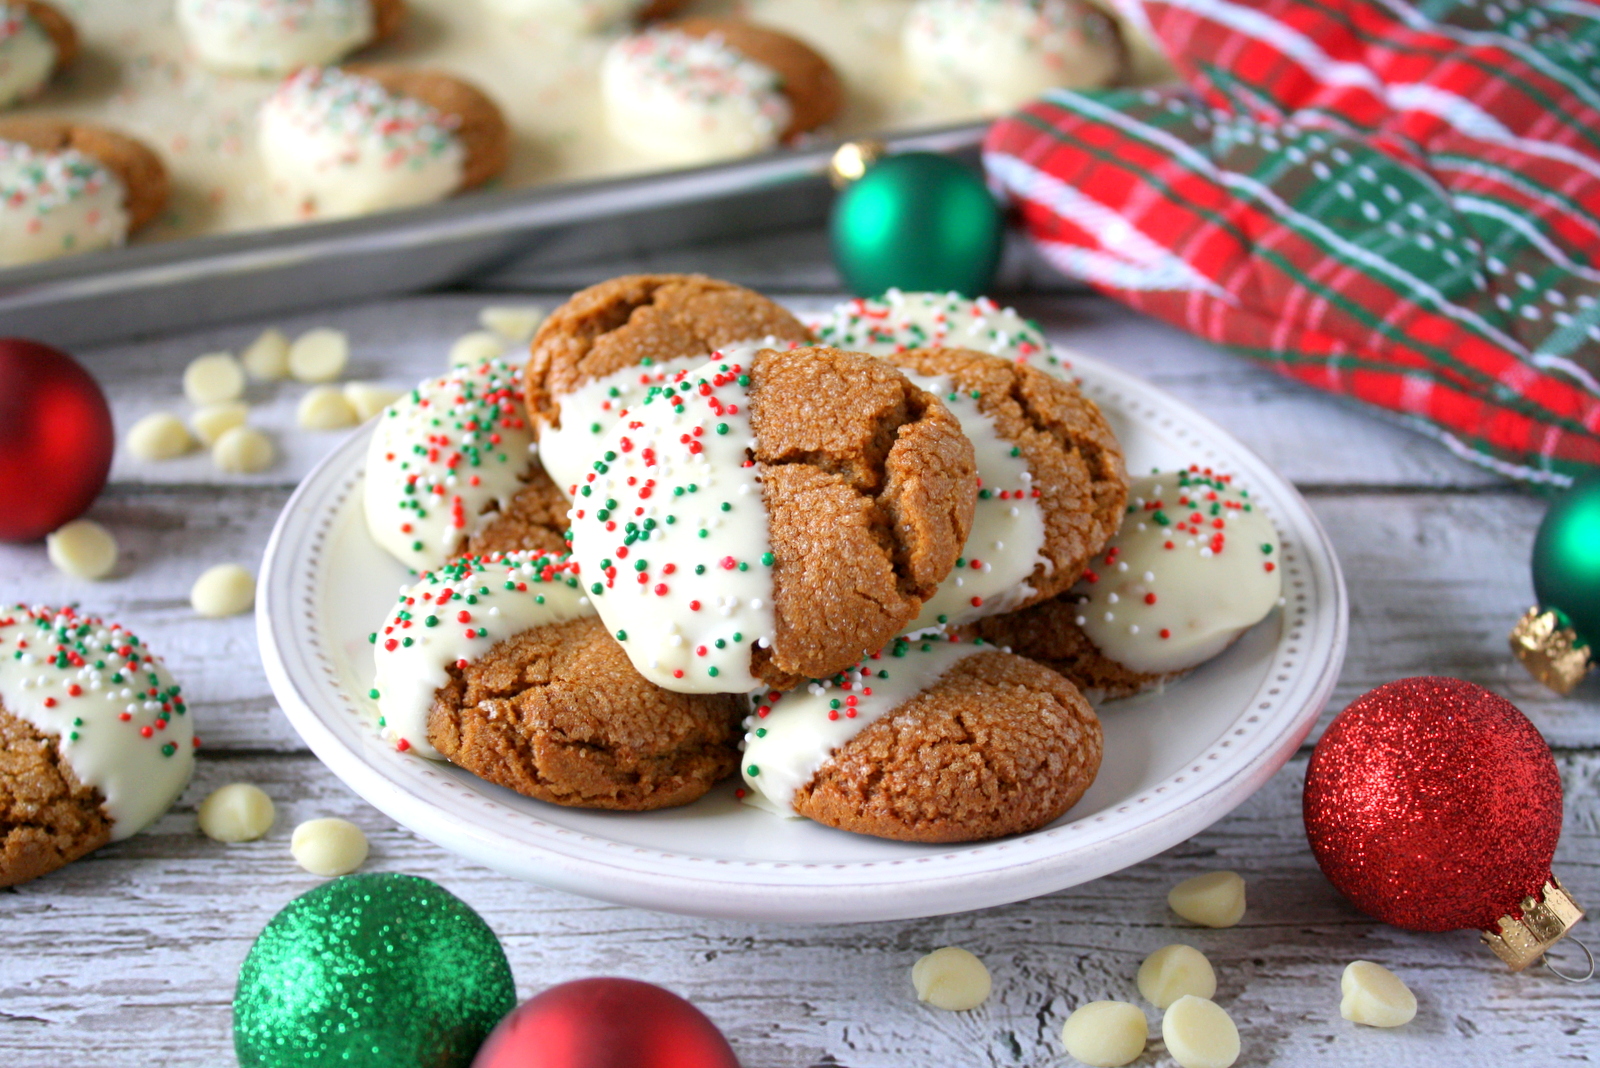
(1175, 762)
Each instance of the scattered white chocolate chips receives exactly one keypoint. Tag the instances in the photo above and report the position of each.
(215, 420)
(83, 549)
(370, 398)
(514, 324)
(213, 378)
(224, 590)
(319, 355)
(1215, 899)
(325, 408)
(1199, 1033)
(951, 978)
(159, 436)
(1105, 1034)
(1375, 996)
(1173, 972)
(267, 358)
(243, 450)
(238, 812)
(329, 847)
(475, 348)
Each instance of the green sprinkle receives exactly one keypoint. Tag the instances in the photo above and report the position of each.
(767, 559)
(431, 621)
(622, 635)
(752, 771)
(373, 693)
(1266, 547)
(713, 672)
(726, 507)
(722, 428)
(597, 589)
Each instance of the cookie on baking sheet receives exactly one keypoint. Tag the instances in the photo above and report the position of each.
(585, 16)
(1050, 475)
(609, 344)
(274, 37)
(771, 515)
(1192, 567)
(338, 142)
(36, 41)
(700, 89)
(73, 187)
(928, 741)
(96, 742)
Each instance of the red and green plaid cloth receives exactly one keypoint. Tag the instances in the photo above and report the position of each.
(1397, 202)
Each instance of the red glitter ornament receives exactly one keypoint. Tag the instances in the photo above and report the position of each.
(606, 1023)
(55, 439)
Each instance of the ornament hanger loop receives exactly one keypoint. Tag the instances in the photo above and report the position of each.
(1559, 974)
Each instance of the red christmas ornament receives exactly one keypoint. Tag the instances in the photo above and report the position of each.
(55, 439)
(1434, 805)
(606, 1023)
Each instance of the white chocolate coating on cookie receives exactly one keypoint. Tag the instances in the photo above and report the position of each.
(670, 531)
(273, 37)
(27, 55)
(336, 144)
(791, 736)
(900, 322)
(1193, 566)
(581, 16)
(452, 617)
(56, 204)
(682, 100)
(124, 727)
(442, 458)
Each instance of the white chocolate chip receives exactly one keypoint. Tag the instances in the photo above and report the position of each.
(951, 978)
(244, 450)
(476, 347)
(215, 420)
(224, 590)
(83, 549)
(1105, 1034)
(238, 812)
(1200, 1034)
(329, 847)
(213, 378)
(513, 324)
(370, 398)
(319, 355)
(267, 358)
(1215, 899)
(325, 408)
(159, 436)
(1375, 996)
(1176, 971)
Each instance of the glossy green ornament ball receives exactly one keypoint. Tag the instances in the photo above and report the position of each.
(1566, 558)
(917, 221)
(371, 971)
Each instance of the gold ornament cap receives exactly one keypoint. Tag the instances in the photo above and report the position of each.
(1550, 650)
(1543, 921)
(853, 159)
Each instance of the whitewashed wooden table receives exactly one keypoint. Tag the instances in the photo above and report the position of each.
(130, 956)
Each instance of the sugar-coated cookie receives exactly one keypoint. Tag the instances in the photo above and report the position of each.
(96, 742)
(927, 741)
(771, 516)
(703, 89)
(1192, 567)
(900, 321)
(998, 54)
(69, 187)
(340, 142)
(585, 16)
(36, 41)
(1051, 484)
(274, 37)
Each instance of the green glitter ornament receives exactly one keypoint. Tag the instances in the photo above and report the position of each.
(1555, 640)
(371, 971)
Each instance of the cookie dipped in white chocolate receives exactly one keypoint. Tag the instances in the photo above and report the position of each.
(1193, 566)
(680, 99)
(580, 16)
(443, 459)
(273, 37)
(56, 204)
(671, 532)
(453, 616)
(790, 736)
(900, 322)
(27, 55)
(337, 144)
(123, 725)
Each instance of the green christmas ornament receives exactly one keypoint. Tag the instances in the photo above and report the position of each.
(371, 971)
(916, 221)
(1555, 640)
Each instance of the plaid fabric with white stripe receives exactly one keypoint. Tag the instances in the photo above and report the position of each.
(1397, 202)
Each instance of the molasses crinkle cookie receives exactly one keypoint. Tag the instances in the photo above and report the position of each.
(771, 516)
(900, 322)
(36, 41)
(273, 37)
(585, 16)
(703, 89)
(338, 142)
(96, 742)
(68, 188)
(928, 741)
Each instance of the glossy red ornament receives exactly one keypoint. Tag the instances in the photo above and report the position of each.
(56, 439)
(606, 1023)
(1433, 804)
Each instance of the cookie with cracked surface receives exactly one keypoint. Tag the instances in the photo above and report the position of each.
(1049, 634)
(534, 520)
(48, 817)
